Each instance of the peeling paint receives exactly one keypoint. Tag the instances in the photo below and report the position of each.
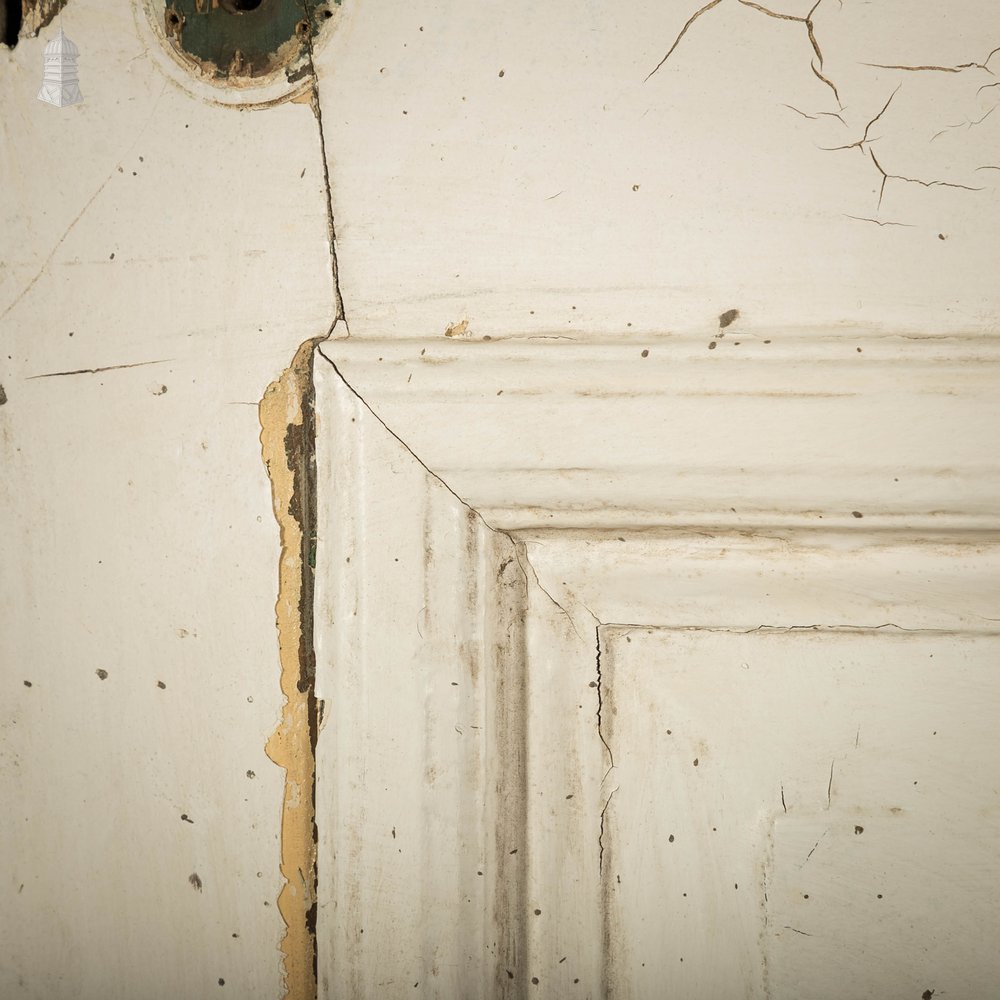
(38, 14)
(238, 42)
(287, 436)
(459, 329)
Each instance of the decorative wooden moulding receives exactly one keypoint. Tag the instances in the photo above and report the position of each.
(650, 671)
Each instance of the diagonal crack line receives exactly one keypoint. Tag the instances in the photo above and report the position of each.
(813, 849)
(825, 79)
(864, 138)
(687, 24)
(534, 573)
(968, 124)
(518, 546)
(886, 177)
(519, 550)
(106, 368)
(818, 115)
(62, 239)
(83, 211)
(364, 402)
(331, 228)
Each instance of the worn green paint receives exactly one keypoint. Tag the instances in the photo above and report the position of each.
(212, 32)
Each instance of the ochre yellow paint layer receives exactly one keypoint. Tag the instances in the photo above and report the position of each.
(290, 745)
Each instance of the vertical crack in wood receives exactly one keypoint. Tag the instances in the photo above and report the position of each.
(338, 300)
(287, 419)
(600, 703)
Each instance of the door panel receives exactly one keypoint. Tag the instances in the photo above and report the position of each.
(795, 813)
(660, 717)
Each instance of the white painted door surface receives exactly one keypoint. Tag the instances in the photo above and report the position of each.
(656, 673)
(614, 611)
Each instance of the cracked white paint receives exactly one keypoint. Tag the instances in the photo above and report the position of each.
(161, 258)
(793, 187)
(653, 205)
(809, 578)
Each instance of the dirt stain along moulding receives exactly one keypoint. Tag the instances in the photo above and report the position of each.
(60, 85)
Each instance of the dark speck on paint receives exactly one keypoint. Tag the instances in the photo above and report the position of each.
(927, 994)
(103, 674)
(27, 684)
(222, 982)
(187, 819)
(195, 881)
(856, 513)
(161, 685)
(728, 318)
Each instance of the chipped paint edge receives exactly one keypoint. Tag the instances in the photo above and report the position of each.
(287, 438)
(259, 94)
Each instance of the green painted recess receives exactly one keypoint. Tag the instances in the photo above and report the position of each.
(214, 30)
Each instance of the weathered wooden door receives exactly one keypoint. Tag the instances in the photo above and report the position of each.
(627, 379)
(655, 672)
